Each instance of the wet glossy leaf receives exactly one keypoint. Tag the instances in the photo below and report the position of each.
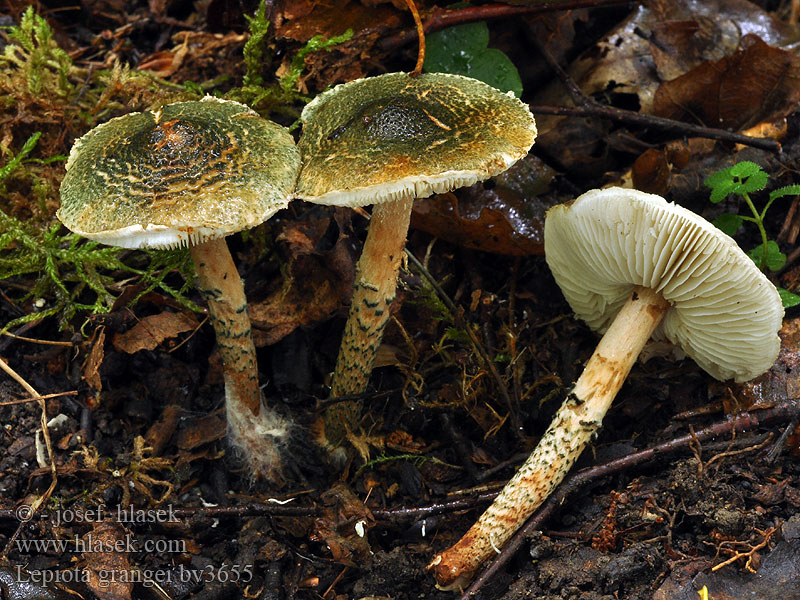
(464, 50)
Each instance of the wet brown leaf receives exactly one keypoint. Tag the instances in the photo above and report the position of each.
(758, 82)
(496, 220)
(316, 282)
(781, 382)
(151, 331)
(91, 366)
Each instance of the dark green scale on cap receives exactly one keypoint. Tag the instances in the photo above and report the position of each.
(394, 135)
(191, 170)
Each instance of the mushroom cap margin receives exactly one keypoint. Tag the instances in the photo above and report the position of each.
(725, 314)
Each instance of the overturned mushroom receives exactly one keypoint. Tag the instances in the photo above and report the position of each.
(634, 267)
(192, 173)
(386, 140)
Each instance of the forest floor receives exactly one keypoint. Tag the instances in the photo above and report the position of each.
(691, 487)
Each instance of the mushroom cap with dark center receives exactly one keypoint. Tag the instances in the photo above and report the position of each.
(725, 314)
(395, 136)
(187, 171)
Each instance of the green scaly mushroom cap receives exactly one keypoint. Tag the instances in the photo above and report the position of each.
(395, 136)
(190, 171)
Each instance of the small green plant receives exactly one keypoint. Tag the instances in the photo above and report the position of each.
(34, 61)
(253, 91)
(463, 50)
(743, 179)
(75, 273)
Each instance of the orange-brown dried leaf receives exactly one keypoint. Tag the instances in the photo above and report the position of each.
(202, 430)
(106, 553)
(651, 172)
(91, 366)
(757, 83)
(343, 526)
(151, 331)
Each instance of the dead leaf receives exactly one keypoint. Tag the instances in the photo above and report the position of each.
(781, 383)
(91, 366)
(105, 552)
(202, 430)
(343, 525)
(492, 220)
(757, 83)
(151, 331)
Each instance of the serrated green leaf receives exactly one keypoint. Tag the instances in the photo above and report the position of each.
(788, 299)
(463, 50)
(718, 178)
(745, 169)
(751, 177)
(775, 259)
(728, 223)
(721, 189)
(789, 190)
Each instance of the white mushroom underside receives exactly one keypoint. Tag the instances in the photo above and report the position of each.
(725, 314)
(411, 187)
(153, 236)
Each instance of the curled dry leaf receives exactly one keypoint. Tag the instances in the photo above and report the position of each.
(756, 83)
(151, 331)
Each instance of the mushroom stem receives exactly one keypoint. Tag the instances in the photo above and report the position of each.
(578, 419)
(253, 429)
(373, 293)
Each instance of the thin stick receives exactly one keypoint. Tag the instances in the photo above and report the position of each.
(36, 399)
(38, 502)
(420, 36)
(35, 341)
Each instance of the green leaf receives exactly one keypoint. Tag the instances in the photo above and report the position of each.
(741, 178)
(463, 50)
(789, 190)
(775, 258)
(788, 298)
(728, 223)
(745, 169)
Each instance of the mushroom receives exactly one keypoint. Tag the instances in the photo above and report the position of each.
(384, 141)
(192, 173)
(632, 266)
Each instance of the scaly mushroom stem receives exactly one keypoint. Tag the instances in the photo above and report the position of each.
(579, 417)
(373, 293)
(253, 429)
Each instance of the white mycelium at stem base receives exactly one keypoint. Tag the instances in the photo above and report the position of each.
(579, 417)
(671, 275)
(254, 430)
(384, 141)
(192, 173)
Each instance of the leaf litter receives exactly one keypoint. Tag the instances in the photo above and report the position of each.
(146, 369)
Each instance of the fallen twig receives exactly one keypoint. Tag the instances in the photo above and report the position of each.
(736, 423)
